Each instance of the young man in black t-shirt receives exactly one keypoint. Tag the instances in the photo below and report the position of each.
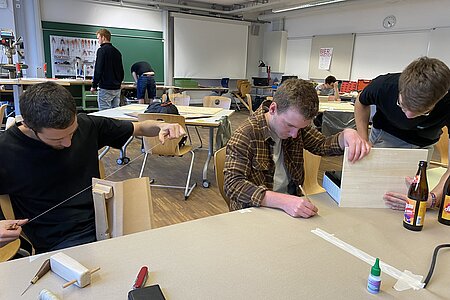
(411, 109)
(53, 156)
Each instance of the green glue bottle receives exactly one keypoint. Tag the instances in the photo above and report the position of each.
(374, 281)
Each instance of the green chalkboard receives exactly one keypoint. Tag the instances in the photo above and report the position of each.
(135, 45)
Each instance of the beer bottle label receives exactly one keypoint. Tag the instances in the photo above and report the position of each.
(410, 212)
(446, 209)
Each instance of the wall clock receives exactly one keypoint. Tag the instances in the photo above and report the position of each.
(389, 22)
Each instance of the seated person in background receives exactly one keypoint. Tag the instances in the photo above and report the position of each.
(144, 78)
(264, 162)
(51, 158)
(412, 107)
(329, 88)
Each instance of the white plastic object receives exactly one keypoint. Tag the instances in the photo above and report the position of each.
(70, 269)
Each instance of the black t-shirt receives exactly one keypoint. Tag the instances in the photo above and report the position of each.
(141, 67)
(37, 177)
(421, 131)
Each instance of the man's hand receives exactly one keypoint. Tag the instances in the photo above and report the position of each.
(357, 146)
(299, 207)
(170, 131)
(10, 230)
(398, 201)
(395, 200)
(93, 90)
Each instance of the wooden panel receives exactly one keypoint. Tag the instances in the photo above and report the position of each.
(384, 169)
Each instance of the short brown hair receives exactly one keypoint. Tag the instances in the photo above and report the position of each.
(104, 33)
(299, 94)
(423, 83)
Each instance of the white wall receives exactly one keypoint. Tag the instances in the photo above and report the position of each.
(377, 50)
(90, 13)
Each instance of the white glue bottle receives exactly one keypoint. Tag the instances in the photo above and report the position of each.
(374, 281)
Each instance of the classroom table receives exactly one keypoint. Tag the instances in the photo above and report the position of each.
(18, 84)
(336, 106)
(256, 253)
(193, 116)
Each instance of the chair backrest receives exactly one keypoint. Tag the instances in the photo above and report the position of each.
(217, 101)
(244, 87)
(9, 250)
(219, 163)
(2, 113)
(123, 207)
(311, 165)
(182, 100)
(10, 121)
(170, 147)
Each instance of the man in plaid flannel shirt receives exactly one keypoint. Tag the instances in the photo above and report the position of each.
(264, 163)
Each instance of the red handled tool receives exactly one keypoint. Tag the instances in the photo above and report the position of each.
(141, 278)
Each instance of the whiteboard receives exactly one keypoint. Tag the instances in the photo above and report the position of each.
(440, 44)
(376, 54)
(209, 48)
(341, 60)
(297, 57)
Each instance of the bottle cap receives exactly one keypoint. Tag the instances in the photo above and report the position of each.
(376, 271)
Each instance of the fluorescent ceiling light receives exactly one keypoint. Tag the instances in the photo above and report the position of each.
(307, 5)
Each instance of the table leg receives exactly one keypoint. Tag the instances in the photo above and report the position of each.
(206, 182)
(17, 91)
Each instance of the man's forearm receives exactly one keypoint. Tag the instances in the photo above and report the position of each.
(272, 199)
(146, 128)
(362, 116)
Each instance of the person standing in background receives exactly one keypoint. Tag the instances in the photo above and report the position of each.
(143, 75)
(329, 88)
(108, 72)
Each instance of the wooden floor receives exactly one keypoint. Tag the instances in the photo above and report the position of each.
(169, 204)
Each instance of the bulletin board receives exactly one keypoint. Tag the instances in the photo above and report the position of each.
(341, 60)
(135, 45)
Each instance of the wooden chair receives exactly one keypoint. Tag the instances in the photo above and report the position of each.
(217, 101)
(152, 145)
(243, 88)
(182, 100)
(122, 208)
(442, 147)
(311, 166)
(219, 163)
(2, 116)
(9, 250)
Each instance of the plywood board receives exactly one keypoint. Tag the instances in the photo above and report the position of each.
(384, 169)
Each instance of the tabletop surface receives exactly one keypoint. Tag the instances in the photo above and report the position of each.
(256, 253)
(195, 115)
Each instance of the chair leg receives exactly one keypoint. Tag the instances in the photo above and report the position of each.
(188, 189)
(189, 135)
(143, 164)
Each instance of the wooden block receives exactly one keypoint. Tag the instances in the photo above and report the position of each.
(384, 169)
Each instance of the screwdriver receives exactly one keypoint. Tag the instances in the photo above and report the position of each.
(41, 272)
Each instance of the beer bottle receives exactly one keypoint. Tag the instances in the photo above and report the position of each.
(444, 209)
(416, 206)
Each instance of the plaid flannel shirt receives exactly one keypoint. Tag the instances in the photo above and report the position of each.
(249, 167)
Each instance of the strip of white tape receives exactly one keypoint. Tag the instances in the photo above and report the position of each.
(405, 279)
